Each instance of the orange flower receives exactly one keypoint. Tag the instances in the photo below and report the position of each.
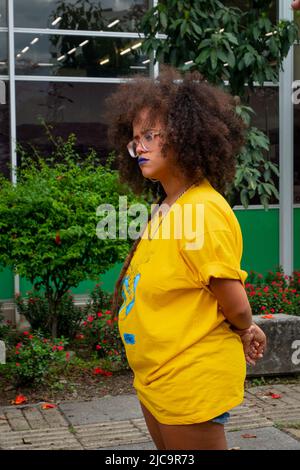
(47, 406)
(19, 400)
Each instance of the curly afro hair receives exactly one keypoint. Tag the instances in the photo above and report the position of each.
(199, 120)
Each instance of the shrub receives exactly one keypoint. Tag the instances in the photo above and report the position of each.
(33, 358)
(35, 309)
(274, 293)
(99, 331)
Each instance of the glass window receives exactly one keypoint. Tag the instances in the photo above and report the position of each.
(3, 54)
(79, 56)
(247, 4)
(3, 13)
(69, 108)
(106, 15)
(296, 101)
(265, 102)
(4, 132)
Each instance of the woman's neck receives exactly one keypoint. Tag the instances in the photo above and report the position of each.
(174, 187)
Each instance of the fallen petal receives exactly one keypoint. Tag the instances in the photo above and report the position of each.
(19, 400)
(47, 406)
(248, 436)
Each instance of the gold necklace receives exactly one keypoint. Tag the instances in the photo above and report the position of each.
(163, 215)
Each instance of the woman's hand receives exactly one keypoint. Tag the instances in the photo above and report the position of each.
(254, 343)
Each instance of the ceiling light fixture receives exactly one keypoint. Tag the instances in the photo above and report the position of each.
(104, 61)
(189, 62)
(139, 67)
(25, 50)
(83, 43)
(61, 58)
(136, 45)
(146, 61)
(57, 20)
(44, 64)
(125, 51)
(35, 40)
(110, 25)
(72, 50)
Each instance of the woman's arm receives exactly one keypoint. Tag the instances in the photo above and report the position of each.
(233, 300)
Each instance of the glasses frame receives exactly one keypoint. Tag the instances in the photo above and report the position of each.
(141, 142)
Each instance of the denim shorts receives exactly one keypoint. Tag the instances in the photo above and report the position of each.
(222, 419)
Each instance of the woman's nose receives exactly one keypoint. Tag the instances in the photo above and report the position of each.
(140, 148)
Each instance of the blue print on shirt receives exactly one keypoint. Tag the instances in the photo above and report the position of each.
(129, 338)
(128, 294)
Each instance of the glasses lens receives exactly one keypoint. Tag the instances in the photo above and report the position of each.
(132, 149)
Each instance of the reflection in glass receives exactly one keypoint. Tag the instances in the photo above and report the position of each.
(69, 107)
(265, 102)
(113, 15)
(4, 135)
(271, 6)
(3, 54)
(79, 56)
(3, 13)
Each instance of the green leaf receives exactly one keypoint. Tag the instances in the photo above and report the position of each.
(213, 59)
(244, 198)
(163, 19)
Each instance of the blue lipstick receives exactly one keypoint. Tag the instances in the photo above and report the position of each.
(142, 160)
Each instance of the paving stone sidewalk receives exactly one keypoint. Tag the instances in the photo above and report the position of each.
(261, 422)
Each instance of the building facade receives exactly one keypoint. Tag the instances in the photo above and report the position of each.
(60, 59)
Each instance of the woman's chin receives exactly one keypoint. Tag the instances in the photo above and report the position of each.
(147, 173)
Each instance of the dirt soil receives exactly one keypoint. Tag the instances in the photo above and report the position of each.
(80, 387)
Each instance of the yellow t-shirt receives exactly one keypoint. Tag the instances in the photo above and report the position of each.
(188, 365)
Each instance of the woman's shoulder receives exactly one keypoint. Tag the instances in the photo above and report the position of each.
(218, 215)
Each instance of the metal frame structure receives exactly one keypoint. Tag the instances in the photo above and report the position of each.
(286, 153)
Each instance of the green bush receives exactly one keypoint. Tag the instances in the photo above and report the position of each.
(33, 359)
(274, 293)
(99, 331)
(35, 309)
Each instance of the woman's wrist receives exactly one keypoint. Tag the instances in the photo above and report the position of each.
(243, 330)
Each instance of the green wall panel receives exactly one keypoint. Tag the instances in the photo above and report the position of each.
(260, 230)
(6, 284)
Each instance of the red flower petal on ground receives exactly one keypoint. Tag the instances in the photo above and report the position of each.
(99, 371)
(19, 400)
(248, 436)
(269, 316)
(47, 406)
(275, 396)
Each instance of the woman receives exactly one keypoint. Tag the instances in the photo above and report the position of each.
(184, 304)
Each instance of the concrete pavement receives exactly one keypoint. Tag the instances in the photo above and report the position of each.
(268, 419)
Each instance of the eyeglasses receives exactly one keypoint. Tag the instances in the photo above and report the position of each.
(146, 142)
